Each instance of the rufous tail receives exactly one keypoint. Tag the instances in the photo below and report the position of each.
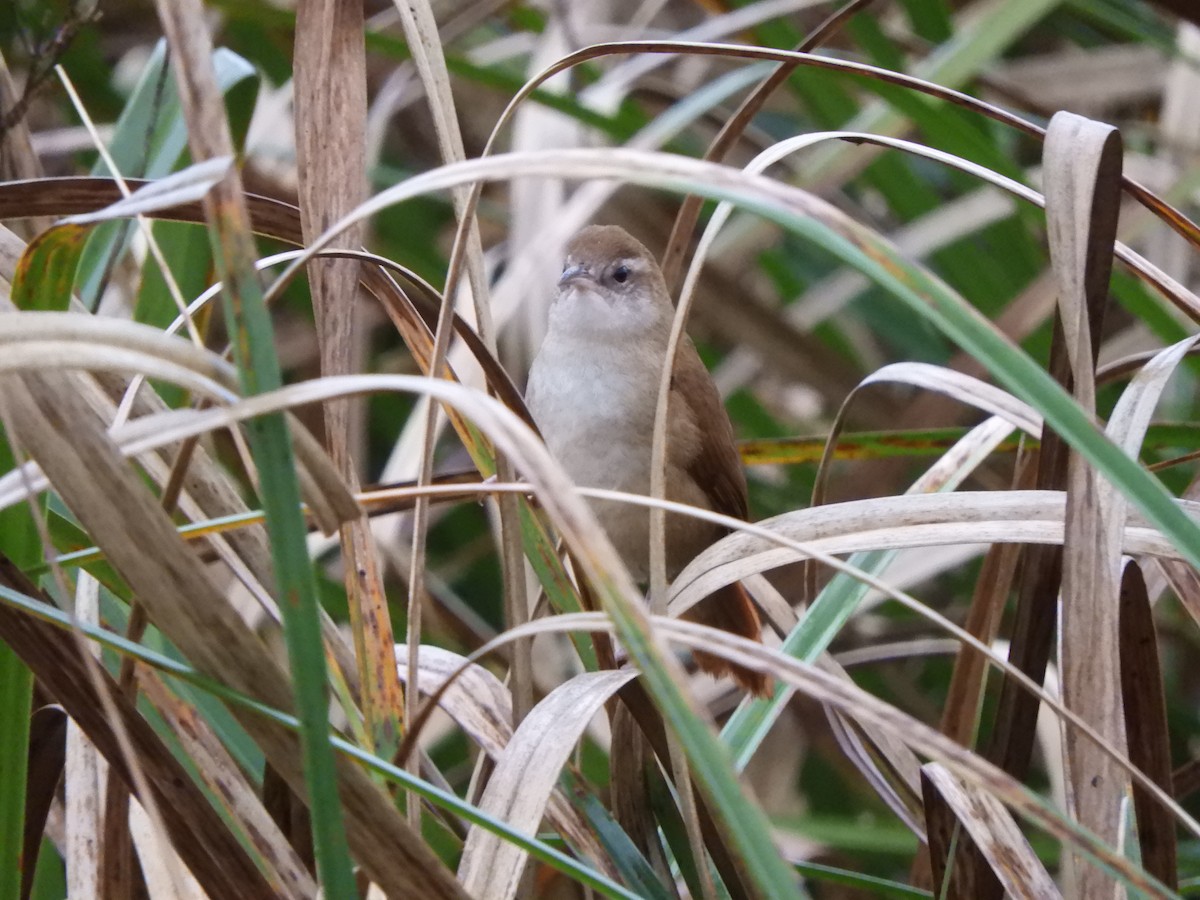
(732, 610)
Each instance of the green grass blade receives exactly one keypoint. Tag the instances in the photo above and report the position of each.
(270, 445)
(149, 141)
(622, 852)
(16, 705)
(879, 887)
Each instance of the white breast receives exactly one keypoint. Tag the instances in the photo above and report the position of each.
(596, 413)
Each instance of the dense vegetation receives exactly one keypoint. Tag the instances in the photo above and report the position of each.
(939, 256)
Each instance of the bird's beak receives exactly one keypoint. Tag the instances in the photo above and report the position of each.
(574, 274)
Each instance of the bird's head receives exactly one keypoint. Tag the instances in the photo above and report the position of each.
(610, 283)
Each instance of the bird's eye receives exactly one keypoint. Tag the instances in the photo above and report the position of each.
(621, 274)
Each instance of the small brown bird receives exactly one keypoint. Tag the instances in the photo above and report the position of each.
(592, 390)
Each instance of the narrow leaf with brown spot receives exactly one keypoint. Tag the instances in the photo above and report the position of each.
(331, 111)
(995, 834)
(1083, 189)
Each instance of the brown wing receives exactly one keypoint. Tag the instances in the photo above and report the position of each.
(717, 466)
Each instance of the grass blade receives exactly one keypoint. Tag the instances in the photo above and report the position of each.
(16, 706)
(208, 135)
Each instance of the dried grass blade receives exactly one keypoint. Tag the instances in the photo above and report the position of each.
(476, 699)
(141, 542)
(963, 763)
(179, 188)
(877, 524)
(97, 862)
(159, 866)
(221, 775)
(994, 832)
(525, 776)
(964, 700)
(816, 220)
(1041, 572)
(1146, 726)
(1083, 190)
(83, 195)
(196, 831)
(99, 811)
(886, 763)
(938, 860)
(330, 105)
(482, 707)
(965, 694)
(735, 126)
(258, 364)
(420, 28)
(331, 110)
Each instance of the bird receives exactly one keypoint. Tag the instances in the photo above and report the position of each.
(593, 390)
